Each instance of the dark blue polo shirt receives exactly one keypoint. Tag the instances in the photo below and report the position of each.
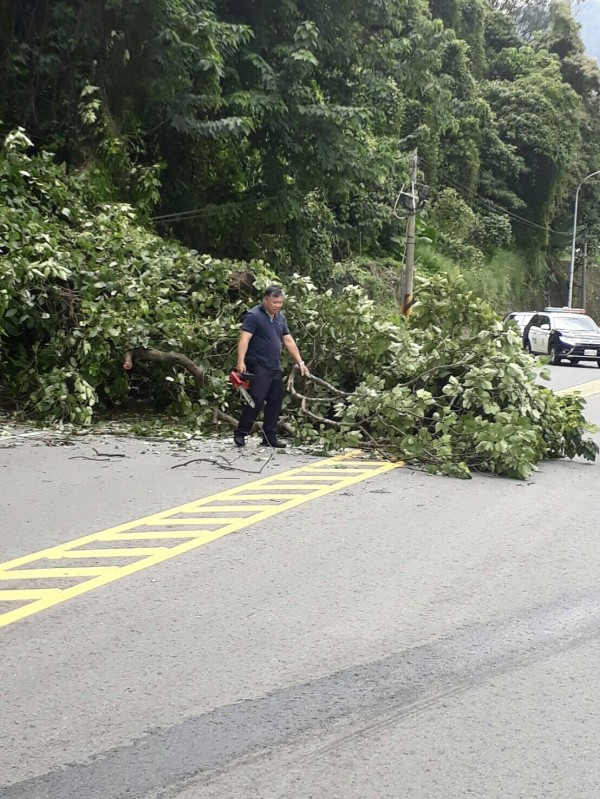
(267, 333)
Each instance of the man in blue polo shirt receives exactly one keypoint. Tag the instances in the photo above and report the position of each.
(264, 330)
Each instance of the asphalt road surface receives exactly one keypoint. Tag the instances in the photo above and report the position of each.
(394, 635)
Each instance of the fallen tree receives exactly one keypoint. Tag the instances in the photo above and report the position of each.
(86, 289)
(459, 395)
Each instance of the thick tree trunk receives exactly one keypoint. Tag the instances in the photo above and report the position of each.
(159, 356)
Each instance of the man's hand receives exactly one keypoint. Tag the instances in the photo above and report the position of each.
(304, 370)
(242, 349)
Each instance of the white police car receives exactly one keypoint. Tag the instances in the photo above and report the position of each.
(563, 334)
(520, 318)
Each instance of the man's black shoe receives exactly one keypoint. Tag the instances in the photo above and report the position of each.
(276, 443)
(239, 439)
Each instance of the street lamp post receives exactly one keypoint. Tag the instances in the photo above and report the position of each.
(572, 268)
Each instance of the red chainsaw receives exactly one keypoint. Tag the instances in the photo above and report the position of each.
(241, 381)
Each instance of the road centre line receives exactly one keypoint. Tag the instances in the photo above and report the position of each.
(342, 471)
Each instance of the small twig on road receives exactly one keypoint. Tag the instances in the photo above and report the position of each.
(228, 466)
(103, 457)
(109, 454)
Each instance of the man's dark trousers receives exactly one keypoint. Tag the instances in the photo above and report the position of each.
(266, 388)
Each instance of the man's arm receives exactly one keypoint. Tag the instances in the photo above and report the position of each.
(242, 349)
(293, 350)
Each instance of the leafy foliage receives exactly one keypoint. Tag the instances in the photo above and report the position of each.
(84, 282)
(288, 142)
(452, 391)
(279, 133)
(79, 286)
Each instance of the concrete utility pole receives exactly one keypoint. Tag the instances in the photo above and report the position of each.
(408, 300)
(584, 273)
(572, 268)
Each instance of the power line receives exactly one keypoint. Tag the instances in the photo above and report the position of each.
(482, 200)
(515, 217)
(207, 210)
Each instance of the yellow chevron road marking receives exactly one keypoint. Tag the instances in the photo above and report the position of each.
(283, 492)
(38, 574)
(584, 389)
(149, 536)
(102, 554)
(34, 593)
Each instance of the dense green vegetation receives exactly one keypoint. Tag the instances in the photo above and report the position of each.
(281, 130)
(85, 288)
(273, 139)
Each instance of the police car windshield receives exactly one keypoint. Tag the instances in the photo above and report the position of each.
(576, 323)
